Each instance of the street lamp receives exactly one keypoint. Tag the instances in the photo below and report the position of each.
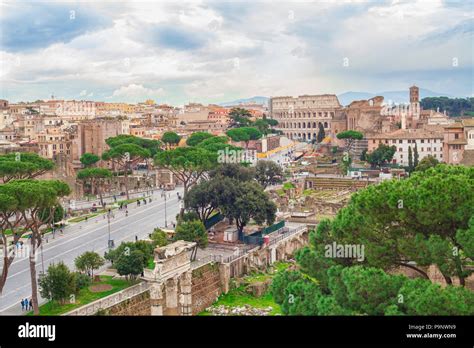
(163, 194)
(110, 242)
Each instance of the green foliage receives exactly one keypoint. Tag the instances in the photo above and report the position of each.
(58, 284)
(244, 134)
(23, 166)
(197, 137)
(350, 134)
(159, 238)
(82, 280)
(250, 202)
(192, 231)
(321, 133)
(268, 173)
(90, 174)
(426, 163)
(130, 265)
(233, 170)
(126, 248)
(170, 138)
(240, 117)
(89, 159)
(453, 106)
(152, 147)
(415, 157)
(382, 155)
(88, 262)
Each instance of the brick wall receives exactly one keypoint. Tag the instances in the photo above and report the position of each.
(137, 305)
(206, 287)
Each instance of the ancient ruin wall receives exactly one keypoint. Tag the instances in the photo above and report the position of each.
(206, 287)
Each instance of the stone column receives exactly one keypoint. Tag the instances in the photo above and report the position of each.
(156, 298)
(185, 297)
(273, 255)
(224, 273)
(171, 290)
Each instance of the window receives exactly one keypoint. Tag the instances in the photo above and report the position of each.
(400, 141)
(422, 141)
(400, 149)
(456, 136)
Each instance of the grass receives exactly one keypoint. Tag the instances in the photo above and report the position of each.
(239, 298)
(84, 297)
(151, 263)
(89, 216)
(288, 186)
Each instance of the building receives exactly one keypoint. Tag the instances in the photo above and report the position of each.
(92, 134)
(454, 143)
(427, 142)
(299, 118)
(54, 142)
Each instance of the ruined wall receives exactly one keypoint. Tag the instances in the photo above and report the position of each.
(138, 305)
(206, 287)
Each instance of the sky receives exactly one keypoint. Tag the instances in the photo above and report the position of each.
(214, 51)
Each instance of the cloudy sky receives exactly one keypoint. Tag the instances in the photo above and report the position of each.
(214, 51)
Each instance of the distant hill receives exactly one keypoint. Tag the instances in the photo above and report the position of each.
(348, 97)
(257, 100)
(394, 96)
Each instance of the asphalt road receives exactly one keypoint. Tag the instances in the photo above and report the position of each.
(87, 236)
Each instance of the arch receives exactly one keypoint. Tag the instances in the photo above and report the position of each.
(309, 125)
(325, 125)
(314, 124)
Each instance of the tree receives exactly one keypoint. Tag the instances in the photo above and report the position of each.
(268, 173)
(89, 159)
(188, 164)
(381, 155)
(410, 159)
(125, 155)
(23, 166)
(233, 170)
(240, 117)
(426, 163)
(197, 137)
(58, 284)
(96, 178)
(415, 157)
(125, 248)
(159, 238)
(153, 146)
(244, 134)
(417, 219)
(321, 133)
(192, 231)
(250, 202)
(202, 199)
(130, 265)
(170, 138)
(88, 262)
(33, 198)
(350, 137)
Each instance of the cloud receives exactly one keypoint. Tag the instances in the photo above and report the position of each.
(138, 50)
(135, 93)
(28, 26)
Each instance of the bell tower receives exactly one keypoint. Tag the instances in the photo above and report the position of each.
(414, 94)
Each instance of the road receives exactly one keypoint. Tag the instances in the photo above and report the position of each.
(87, 236)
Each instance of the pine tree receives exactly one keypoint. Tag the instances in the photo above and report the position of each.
(415, 157)
(321, 134)
(410, 159)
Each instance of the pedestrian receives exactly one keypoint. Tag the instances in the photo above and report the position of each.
(136, 238)
(22, 305)
(126, 212)
(126, 206)
(31, 304)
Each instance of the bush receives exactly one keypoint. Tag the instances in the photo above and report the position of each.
(82, 280)
(159, 238)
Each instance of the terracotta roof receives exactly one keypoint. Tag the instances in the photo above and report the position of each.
(468, 122)
(457, 142)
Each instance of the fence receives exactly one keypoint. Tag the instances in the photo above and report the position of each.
(286, 233)
(205, 260)
(213, 220)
